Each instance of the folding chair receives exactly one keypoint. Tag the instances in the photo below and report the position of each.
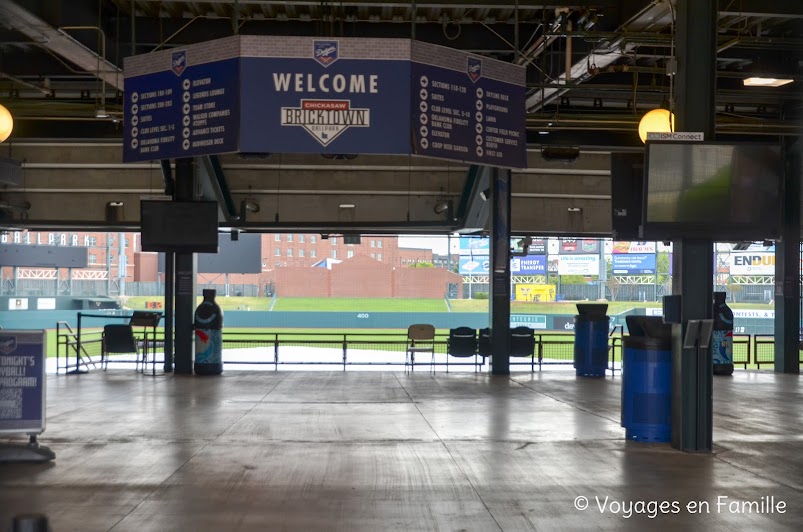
(420, 339)
(119, 338)
(462, 343)
(522, 344)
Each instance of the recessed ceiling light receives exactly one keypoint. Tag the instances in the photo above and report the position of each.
(766, 82)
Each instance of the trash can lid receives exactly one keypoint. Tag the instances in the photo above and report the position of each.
(592, 310)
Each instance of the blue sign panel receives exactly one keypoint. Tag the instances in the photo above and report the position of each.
(303, 106)
(182, 103)
(266, 94)
(633, 264)
(529, 265)
(480, 265)
(22, 381)
(466, 110)
(475, 246)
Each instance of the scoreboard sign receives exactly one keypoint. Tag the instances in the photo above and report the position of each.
(264, 94)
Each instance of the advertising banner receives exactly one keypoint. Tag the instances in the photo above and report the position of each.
(474, 265)
(22, 381)
(752, 263)
(533, 321)
(633, 247)
(529, 265)
(535, 292)
(633, 264)
(475, 246)
(578, 265)
(571, 246)
(280, 94)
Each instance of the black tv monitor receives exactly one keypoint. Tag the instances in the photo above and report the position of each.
(180, 226)
(627, 195)
(712, 190)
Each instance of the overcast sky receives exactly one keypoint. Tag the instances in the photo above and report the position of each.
(437, 244)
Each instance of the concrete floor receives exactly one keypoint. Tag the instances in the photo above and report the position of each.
(365, 451)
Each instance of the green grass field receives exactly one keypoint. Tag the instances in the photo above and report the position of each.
(342, 304)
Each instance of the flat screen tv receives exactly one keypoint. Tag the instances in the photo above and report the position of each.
(718, 191)
(180, 226)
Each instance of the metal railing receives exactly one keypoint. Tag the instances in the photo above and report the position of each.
(80, 348)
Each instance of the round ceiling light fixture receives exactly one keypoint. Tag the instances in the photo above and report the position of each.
(6, 123)
(656, 121)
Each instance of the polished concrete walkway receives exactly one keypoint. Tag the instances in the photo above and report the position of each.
(365, 451)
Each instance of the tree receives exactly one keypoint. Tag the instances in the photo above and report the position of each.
(572, 279)
(422, 264)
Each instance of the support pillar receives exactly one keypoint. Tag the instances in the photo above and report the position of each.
(692, 371)
(185, 271)
(170, 285)
(787, 267)
(500, 271)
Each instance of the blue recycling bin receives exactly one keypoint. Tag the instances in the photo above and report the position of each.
(647, 387)
(591, 340)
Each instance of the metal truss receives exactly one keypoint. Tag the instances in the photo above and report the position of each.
(752, 279)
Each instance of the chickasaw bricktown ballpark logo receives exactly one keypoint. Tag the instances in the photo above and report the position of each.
(179, 62)
(324, 52)
(474, 68)
(7, 344)
(325, 120)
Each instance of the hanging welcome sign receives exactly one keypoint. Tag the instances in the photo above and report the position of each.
(263, 94)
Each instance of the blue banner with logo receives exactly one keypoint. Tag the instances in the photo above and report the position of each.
(475, 246)
(268, 94)
(467, 107)
(633, 264)
(480, 265)
(22, 381)
(529, 265)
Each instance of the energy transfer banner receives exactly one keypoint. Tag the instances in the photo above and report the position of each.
(270, 94)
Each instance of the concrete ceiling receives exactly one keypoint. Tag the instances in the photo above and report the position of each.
(59, 66)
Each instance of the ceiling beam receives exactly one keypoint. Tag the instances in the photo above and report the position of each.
(59, 42)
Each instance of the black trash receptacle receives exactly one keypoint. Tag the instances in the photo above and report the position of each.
(591, 340)
(647, 379)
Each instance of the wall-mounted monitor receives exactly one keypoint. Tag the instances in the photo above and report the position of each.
(712, 190)
(180, 226)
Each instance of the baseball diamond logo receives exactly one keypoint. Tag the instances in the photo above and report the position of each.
(474, 68)
(325, 119)
(179, 62)
(325, 52)
(7, 344)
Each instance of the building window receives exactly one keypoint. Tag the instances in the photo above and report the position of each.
(277, 264)
(289, 252)
(301, 238)
(373, 255)
(312, 239)
(373, 243)
(379, 257)
(300, 252)
(334, 253)
(289, 237)
(277, 237)
(379, 243)
(277, 252)
(312, 253)
(90, 241)
(93, 259)
(349, 254)
(334, 240)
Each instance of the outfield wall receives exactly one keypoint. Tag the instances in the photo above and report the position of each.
(46, 319)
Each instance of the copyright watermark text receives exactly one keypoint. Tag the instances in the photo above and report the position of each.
(767, 504)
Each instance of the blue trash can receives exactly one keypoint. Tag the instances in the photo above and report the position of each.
(647, 388)
(591, 340)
